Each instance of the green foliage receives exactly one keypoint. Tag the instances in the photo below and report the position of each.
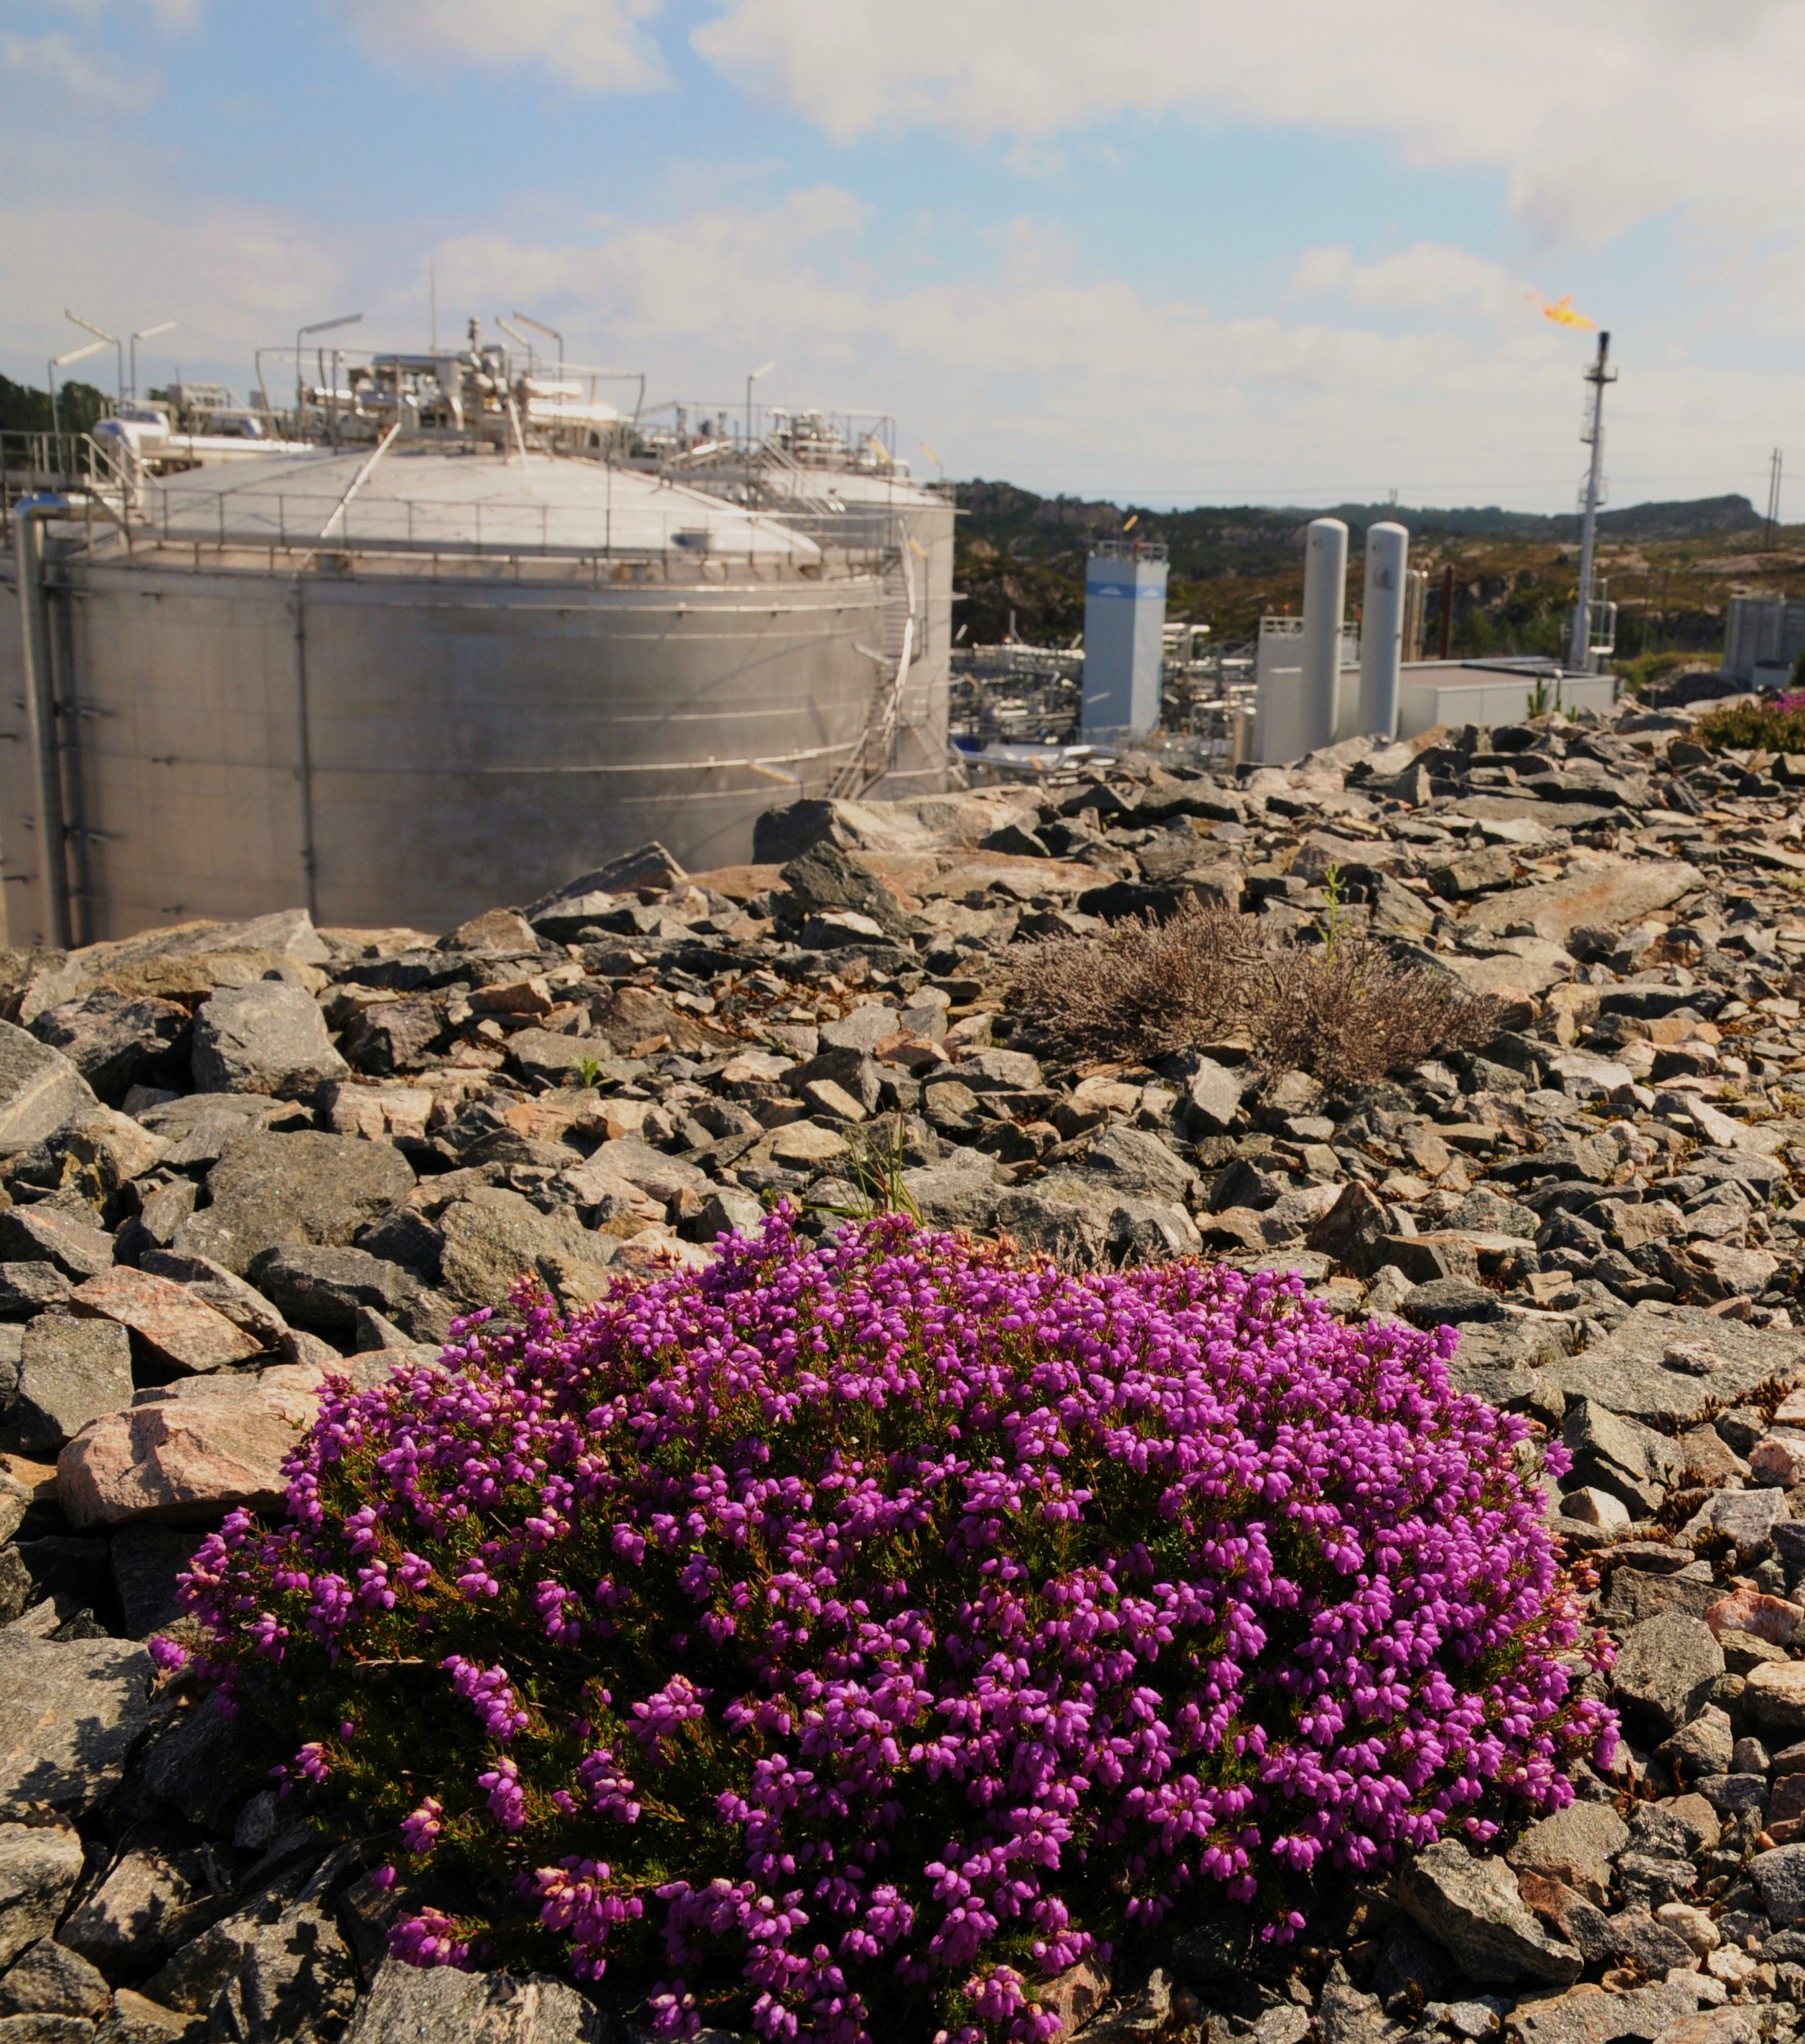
(80, 407)
(1775, 727)
(875, 1168)
(1334, 886)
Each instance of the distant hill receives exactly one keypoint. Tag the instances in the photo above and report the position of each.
(1021, 557)
(1694, 518)
(1001, 509)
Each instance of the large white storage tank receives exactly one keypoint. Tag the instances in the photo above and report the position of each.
(403, 691)
(921, 575)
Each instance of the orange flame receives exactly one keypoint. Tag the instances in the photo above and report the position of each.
(1561, 312)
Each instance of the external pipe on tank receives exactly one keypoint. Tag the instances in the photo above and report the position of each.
(1381, 628)
(30, 518)
(1325, 598)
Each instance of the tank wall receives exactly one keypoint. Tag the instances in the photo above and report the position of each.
(467, 745)
(18, 857)
(919, 767)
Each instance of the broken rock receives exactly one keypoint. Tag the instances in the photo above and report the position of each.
(268, 1038)
(182, 1330)
(1472, 1907)
(192, 1452)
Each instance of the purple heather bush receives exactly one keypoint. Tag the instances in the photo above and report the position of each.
(842, 1640)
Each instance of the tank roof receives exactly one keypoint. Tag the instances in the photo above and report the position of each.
(425, 496)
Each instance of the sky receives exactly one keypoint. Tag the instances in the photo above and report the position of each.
(1191, 253)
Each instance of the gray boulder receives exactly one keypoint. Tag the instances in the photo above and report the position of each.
(51, 1979)
(1665, 1670)
(1746, 1519)
(150, 1901)
(996, 1070)
(147, 1562)
(40, 1865)
(395, 1035)
(1472, 1906)
(269, 1191)
(325, 1287)
(27, 1288)
(71, 1372)
(827, 877)
(1628, 1371)
(1780, 1876)
(406, 2003)
(1575, 1846)
(70, 1713)
(1144, 1231)
(50, 1235)
(1631, 1462)
(1139, 1164)
(1060, 1215)
(268, 1038)
(268, 1973)
(728, 1211)
(1211, 1100)
(1449, 1302)
(113, 1041)
(40, 1090)
(197, 1763)
(862, 1029)
(962, 1190)
(493, 1237)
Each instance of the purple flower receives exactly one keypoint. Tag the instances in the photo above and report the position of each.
(170, 1655)
(420, 1828)
(823, 1550)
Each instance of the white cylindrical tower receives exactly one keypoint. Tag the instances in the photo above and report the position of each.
(1381, 628)
(1325, 598)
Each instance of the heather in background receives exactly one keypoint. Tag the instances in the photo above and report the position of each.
(842, 1640)
(1775, 725)
(1345, 1012)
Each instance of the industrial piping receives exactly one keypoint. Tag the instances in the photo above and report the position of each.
(1325, 598)
(1381, 628)
(30, 518)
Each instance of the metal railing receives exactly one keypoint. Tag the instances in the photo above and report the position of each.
(32, 462)
(227, 520)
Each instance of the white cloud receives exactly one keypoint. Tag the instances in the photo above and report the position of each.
(1430, 277)
(1600, 113)
(89, 73)
(1038, 369)
(234, 274)
(1044, 371)
(595, 45)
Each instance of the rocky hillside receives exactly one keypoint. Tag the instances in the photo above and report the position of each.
(236, 1158)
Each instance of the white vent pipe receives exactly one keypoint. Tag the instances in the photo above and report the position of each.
(1381, 628)
(1325, 600)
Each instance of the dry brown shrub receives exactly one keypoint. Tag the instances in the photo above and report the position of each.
(1141, 990)
(1346, 1015)
(1349, 1016)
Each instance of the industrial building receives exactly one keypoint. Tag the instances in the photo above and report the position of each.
(1319, 679)
(1124, 638)
(445, 632)
(1764, 636)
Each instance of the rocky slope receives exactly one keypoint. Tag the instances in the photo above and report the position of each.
(234, 1158)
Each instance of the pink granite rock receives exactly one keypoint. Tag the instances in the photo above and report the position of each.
(192, 1451)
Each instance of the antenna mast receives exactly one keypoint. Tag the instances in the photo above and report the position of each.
(1578, 652)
